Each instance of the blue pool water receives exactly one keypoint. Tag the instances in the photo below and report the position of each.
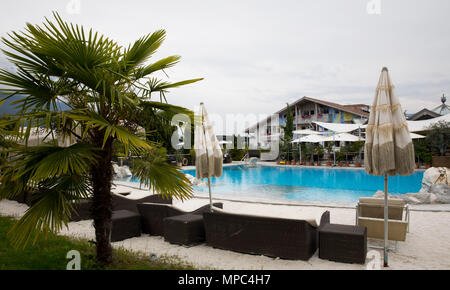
(295, 183)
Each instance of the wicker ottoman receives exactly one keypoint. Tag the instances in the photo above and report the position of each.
(343, 243)
(125, 224)
(186, 229)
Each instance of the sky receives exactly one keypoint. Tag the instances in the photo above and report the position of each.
(256, 56)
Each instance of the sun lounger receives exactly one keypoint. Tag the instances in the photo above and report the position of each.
(153, 214)
(371, 207)
(262, 235)
(370, 214)
(375, 228)
(374, 207)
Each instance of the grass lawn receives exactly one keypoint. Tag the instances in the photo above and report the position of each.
(51, 255)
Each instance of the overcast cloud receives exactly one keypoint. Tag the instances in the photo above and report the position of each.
(257, 55)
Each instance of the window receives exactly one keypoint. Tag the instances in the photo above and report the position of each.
(312, 112)
(365, 109)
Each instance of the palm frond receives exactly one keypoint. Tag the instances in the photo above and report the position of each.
(52, 205)
(94, 120)
(142, 49)
(156, 85)
(162, 64)
(154, 172)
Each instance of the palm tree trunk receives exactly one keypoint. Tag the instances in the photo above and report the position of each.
(102, 174)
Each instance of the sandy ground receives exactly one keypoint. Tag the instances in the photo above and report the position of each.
(427, 245)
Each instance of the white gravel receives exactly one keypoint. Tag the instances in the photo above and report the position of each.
(427, 245)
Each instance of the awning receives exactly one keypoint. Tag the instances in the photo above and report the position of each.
(344, 137)
(415, 136)
(339, 128)
(306, 132)
(311, 139)
(423, 125)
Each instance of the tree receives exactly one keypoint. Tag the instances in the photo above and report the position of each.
(288, 131)
(106, 90)
(157, 121)
(439, 136)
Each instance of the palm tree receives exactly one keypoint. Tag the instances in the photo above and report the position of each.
(80, 85)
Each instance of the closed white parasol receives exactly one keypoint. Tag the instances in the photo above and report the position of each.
(389, 149)
(208, 154)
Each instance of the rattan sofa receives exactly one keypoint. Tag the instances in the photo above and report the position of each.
(83, 209)
(261, 235)
(153, 215)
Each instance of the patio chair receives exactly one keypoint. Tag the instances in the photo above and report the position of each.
(153, 215)
(370, 213)
(371, 207)
(375, 228)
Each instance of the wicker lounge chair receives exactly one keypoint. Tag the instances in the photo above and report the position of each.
(153, 214)
(261, 235)
(83, 209)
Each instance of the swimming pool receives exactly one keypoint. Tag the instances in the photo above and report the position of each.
(301, 183)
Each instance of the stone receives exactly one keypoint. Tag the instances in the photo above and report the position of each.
(199, 182)
(380, 194)
(435, 187)
(441, 193)
(419, 198)
(412, 200)
(195, 181)
(126, 171)
(435, 175)
(190, 178)
(117, 171)
(121, 171)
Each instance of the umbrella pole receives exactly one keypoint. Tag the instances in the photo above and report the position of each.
(386, 224)
(207, 164)
(210, 194)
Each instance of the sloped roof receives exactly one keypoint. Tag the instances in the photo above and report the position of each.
(424, 125)
(354, 108)
(423, 112)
